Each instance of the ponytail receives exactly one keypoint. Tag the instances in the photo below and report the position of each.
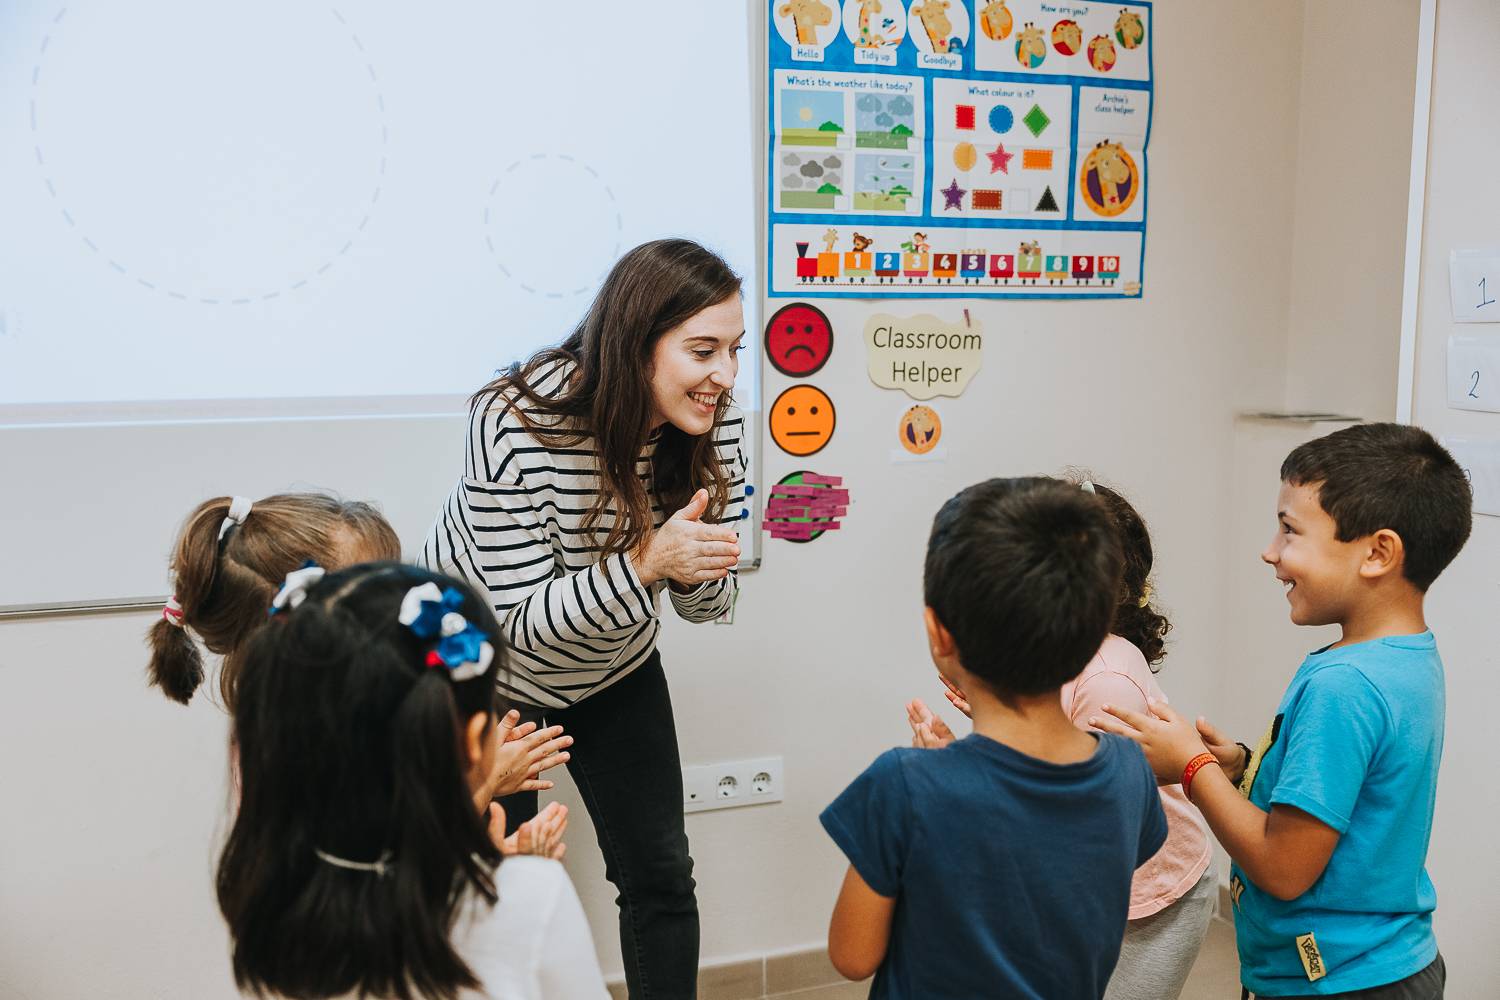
(357, 839)
(226, 571)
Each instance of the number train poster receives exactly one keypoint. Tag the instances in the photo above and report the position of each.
(958, 147)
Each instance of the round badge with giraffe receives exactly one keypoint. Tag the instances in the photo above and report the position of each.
(1109, 179)
(920, 429)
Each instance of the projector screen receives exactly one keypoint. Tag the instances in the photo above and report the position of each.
(253, 213)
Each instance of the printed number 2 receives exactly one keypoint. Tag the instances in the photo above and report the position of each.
(1484, 299)
(1474, 384)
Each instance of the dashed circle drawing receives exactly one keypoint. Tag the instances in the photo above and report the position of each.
(214, 155)
(532, 227)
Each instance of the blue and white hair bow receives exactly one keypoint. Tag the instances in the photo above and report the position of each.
(431, 612)
(294, 591)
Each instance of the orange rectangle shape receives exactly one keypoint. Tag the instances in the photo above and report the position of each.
(984, 198)
(1036, 159)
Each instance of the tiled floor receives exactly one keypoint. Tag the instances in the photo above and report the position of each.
(1215, 976)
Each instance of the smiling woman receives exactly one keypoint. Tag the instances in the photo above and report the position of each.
(598, 474)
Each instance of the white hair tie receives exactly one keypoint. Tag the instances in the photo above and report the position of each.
(1088, 487)
(239, 509)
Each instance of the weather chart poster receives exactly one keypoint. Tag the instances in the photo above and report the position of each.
(958, 147)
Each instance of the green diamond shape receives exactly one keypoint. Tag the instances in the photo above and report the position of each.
(1036, 119)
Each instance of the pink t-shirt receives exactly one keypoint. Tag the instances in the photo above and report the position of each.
(1119, 675)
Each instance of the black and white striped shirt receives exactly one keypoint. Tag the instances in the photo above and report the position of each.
(513, 527)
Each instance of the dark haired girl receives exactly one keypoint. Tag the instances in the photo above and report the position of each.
(367, 717)
(597, 475)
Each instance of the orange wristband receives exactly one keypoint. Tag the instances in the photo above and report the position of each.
(1193, 767)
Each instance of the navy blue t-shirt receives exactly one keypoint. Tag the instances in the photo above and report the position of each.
(1011, 875)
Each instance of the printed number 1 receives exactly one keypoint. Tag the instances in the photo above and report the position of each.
(1475, 384)
(1483, 299)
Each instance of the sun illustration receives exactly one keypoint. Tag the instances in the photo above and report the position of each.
(805, 114)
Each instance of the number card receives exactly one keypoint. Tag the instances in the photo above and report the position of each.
(1474, 285)
(1474, 371)
(1480, 460)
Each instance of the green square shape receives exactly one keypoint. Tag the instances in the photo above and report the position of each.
(1036, 120)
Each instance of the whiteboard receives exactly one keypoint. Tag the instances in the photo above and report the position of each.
(253, 248)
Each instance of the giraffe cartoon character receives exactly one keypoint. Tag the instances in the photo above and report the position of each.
(1108, 179)
(1102, 53)
(869, 37)
(995, 20)
(808, 16)
(1067, 37)
(861, 243)
(830, 239)
(1031, 47)
(935, 21)
(1129, 31)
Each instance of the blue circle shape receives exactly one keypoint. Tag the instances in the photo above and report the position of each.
(1001, 119)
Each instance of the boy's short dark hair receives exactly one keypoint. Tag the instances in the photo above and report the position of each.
(1025, 573)
(1374, 476)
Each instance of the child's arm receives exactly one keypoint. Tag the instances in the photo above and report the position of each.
(860, 929)
(1283, 851)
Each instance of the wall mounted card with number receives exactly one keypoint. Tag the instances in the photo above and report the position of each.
(1480, 460)
(1474, 284)
(1474, 371)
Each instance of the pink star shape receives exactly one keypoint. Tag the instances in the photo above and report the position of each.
(1000, 159)
(953, 196)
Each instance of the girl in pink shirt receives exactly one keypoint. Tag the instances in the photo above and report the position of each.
(1171, 897)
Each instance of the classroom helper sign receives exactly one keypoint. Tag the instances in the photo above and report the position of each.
(922, 355)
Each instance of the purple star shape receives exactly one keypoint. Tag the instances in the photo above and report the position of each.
(1000, 159)
(953, 196)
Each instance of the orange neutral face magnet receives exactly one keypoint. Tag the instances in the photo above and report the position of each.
(802, 420)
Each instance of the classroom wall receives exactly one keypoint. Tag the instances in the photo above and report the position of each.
(1348, 229)
(123, 793)
(1462, 212)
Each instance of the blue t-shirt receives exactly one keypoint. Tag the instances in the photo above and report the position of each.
(1011, 875)
(1355, 744)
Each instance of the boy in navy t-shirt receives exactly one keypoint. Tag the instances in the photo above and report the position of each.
(1000, 866)
(1329, 882)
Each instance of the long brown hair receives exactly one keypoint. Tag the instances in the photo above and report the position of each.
(1137, 617)
(653, 288)
(225, 586)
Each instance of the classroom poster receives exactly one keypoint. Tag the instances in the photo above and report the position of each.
(957, 147)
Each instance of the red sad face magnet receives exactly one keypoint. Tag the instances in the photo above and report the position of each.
(799, 339)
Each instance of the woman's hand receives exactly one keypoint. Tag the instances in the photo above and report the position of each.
(687, 551)
(541, 835)
(928, 731)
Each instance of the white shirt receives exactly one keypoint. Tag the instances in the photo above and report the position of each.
(534, 944)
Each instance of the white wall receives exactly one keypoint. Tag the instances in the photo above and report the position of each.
(1462, 211)
(1348, 233)
(105, 877)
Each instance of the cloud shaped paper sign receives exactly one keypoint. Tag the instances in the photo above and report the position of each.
(922, 355)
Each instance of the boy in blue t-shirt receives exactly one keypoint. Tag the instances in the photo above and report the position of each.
(1330, 890)
(1000, 866)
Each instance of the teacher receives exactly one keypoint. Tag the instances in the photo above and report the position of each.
(597, 474)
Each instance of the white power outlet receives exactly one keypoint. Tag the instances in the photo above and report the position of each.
(731, 783)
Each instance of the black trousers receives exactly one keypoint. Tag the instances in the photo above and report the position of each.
(1425, 985)
(627, 768)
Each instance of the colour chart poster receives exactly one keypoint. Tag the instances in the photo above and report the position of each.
(958, 147)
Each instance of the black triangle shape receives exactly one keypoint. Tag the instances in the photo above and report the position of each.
(1048, 202)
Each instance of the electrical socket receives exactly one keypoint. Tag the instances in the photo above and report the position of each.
(731, 783)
